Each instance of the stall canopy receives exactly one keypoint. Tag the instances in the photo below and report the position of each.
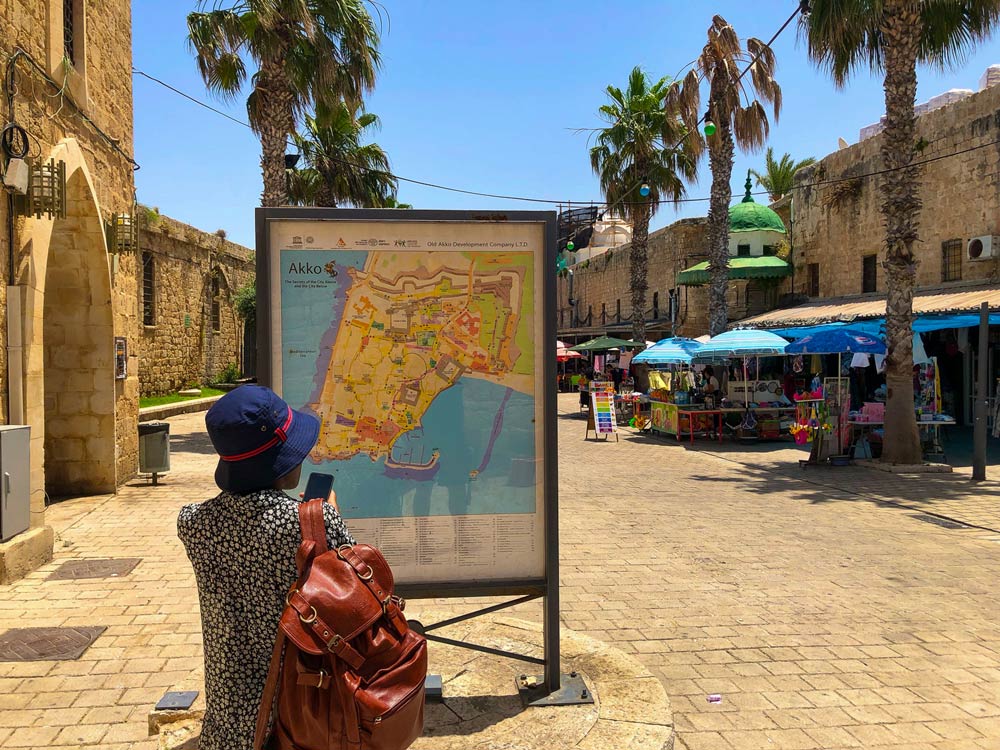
(742, 342)
(675, 351)
(876, 326)
(759, 267)
(837, 341)
(603, 344)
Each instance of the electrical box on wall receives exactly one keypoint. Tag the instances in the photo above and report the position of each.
(982, 248)
(15, 493)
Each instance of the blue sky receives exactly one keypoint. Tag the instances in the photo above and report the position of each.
(486, 96)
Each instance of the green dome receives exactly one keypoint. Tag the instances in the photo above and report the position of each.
(750, 216)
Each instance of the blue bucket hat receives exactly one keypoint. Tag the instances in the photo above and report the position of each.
(259, 438)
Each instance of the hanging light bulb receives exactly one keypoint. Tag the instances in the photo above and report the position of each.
(644, 190)
(710, 128)
(570, 246)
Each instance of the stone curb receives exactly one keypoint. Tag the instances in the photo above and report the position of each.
(905, 468)
(481, 708)
(155, 413)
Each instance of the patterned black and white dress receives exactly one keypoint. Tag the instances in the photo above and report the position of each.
(242, 548)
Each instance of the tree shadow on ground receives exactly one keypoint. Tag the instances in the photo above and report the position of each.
(768, 469)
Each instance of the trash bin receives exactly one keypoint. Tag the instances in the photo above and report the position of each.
(154, 448)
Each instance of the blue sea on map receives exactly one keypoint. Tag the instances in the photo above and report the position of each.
(484, 432)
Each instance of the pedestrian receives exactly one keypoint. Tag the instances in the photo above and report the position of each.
(242, 545)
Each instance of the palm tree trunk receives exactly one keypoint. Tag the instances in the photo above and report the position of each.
(720, 159)
(901, 28)
(638, 270)
(276, 124)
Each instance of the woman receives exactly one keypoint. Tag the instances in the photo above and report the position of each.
(242, 546)
(711, 382)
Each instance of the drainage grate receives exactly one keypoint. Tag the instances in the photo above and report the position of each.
(47, 644)
(75, 570)
(942, 522)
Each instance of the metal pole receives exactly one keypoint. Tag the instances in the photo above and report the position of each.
(551, 615)
(982, 397)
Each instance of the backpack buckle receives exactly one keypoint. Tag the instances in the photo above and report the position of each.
(333, 642)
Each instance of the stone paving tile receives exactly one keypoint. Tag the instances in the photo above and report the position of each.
(825, 616)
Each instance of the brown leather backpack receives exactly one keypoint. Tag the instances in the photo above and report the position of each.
(347, 673)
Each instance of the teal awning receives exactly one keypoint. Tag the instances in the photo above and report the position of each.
(758, 267)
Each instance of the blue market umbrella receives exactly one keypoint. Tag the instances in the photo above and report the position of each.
(742, 342)
(675, 351)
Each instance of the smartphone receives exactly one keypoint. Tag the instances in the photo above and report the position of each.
(319, 485)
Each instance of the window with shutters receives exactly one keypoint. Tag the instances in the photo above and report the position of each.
(869, 273)
(148, 290)
(951, 260)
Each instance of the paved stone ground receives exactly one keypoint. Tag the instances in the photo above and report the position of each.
(826, 617)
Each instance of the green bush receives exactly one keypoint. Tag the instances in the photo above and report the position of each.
(246, 302)
(230, 373)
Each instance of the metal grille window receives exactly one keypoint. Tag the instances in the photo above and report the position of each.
(951, 260)
(216, 307)
(656, 305)
(604, 314)
(69, 31)
(869, 273)
(812, 289)
(742, 251)
(148, 290)
(618, 310)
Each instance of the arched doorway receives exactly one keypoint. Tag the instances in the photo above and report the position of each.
(79, 353)
(69, 346)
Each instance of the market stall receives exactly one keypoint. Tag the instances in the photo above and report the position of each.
(754, 407)
(671, 409)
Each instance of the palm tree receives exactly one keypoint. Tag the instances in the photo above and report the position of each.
(778, 175)
(738, 122)
(305, 52)
(892, 36)
(636, 148)
(338, 168)
(392, 202)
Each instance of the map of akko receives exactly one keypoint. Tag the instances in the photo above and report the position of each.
(411, 326)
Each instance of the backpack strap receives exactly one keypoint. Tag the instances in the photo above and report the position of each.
(313, 524)
(364, 572)
(266, 707)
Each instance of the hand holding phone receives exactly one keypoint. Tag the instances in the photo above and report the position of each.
(319, 485)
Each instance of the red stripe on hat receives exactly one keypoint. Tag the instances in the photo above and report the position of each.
(280, 432)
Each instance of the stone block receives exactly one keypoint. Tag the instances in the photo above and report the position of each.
(25, 552)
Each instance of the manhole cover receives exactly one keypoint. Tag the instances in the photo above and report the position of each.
(942, 522)
(47, 644)
(74, 570)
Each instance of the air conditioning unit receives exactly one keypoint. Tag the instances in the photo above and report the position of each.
(983, 248)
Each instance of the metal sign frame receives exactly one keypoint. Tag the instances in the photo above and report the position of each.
(548, 585)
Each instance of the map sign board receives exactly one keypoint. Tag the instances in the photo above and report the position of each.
(417, 338)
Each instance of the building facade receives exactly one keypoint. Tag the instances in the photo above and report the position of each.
(187, 285)
(75, 350)
(69, 85)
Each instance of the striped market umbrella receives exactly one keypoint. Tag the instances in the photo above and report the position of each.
(674, 351)
(742, 342)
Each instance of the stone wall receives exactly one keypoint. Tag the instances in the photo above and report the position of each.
(603, 284)
(181, 348)
(836, 225)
